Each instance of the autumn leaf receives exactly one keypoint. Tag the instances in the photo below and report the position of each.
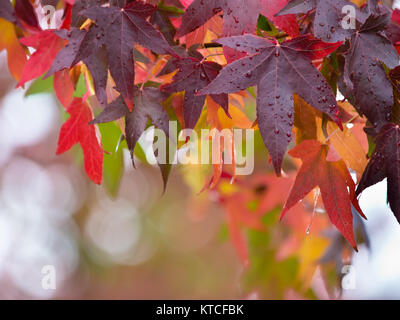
(147, 105)
(365, 75)
(78, 130)
(7, 11)
(27, 15)
(329, 16)
(121, 28)
(193, 75)
(332, 178)
(278, 70)
(16, 55)
(47, 45)
(239, 16)
(385, 163)
(348, 147)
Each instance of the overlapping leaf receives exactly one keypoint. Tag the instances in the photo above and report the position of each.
(147, 105)
(120, 29)
(7, 11)
(16, 55)
(333, 179)
(385, 163)
(240, 16)
(194, 74)
(47, 45)
(364, 73)
(329, 17)
(278, 70)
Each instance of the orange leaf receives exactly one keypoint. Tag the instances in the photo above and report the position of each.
(64, 87)
(15, 52)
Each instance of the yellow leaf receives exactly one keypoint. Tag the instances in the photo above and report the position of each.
(311, 250)
(305, 124)
(348, 147)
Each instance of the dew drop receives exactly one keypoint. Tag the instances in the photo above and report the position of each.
(216, 10)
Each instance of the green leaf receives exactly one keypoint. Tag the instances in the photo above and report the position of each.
(113, 164)
(40, 86)
(80, 87)
(263, 23)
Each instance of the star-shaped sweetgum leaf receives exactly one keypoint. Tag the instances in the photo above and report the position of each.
(385, 163)
(121, 28)
(78, 130)
(334, 180)
(279, 71)
(194, 74)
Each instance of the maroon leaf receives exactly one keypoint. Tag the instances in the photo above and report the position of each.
(26, 14)
(385, 163)
(364, 74)
(113, 111)
(122, 27)
(7, 11)
(328, 17)
(278, 70)
(97, 65)
(240, 16)
(89, 47)
(195, 74)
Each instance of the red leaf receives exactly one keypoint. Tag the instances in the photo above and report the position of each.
(78, 130)
(47, 45)
(333, 180)
(64, 87)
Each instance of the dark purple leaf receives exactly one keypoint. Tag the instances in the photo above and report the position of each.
(193, 75)
(385, 163)
(124, 27)
(278, 70)
(26, 13)
(328, 17)
(364, 74)
(7, 11)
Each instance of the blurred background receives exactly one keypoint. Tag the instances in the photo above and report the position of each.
(140, 244)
